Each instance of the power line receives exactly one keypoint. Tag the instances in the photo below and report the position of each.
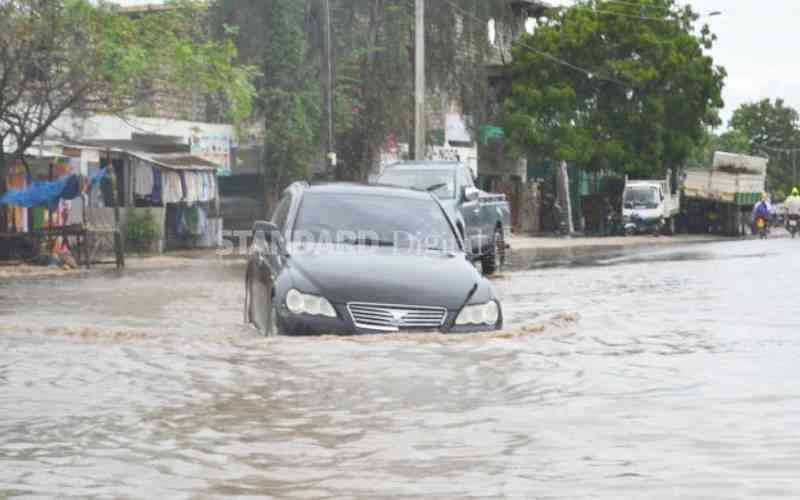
(580, 6)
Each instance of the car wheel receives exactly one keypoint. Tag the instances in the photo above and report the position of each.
(496, 257)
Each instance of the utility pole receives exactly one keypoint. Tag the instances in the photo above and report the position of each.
(327, 76)
(419, 82)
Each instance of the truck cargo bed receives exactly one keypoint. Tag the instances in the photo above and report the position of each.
(728, 187)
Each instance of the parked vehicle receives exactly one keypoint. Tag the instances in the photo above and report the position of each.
(649, 206)
(353, 259)
(483, 219)
(793, 224)
(721, 199)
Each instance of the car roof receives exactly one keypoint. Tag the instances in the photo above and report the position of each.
(417, 165)
(346, 188)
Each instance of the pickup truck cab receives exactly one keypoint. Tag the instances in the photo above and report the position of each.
(482, 219)
(650, 206)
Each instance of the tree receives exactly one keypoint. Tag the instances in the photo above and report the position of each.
(73, 55)
(375, 86)
(771, 130)
(624, 86)
(730, 141)
(272, 35)
(372, 46)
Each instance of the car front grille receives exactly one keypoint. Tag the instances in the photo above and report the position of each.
(393, 318)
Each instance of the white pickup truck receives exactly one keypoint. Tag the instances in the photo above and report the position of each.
(650, 206)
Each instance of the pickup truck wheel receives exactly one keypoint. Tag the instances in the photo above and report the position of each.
(671, 226)
(496, 258)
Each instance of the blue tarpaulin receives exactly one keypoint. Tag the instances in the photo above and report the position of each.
(48, 193)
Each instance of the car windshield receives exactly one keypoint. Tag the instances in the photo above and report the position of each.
(438, 181)
(641, 196)
(374, 220)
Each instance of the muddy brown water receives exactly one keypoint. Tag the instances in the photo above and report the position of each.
(661, 373)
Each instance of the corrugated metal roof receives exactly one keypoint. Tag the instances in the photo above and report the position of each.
(175, 161)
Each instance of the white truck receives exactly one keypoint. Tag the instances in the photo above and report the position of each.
(650, 206)
(721, 199)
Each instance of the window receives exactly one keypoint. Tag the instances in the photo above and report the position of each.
(465, 177)
(437, 181)
(281, 214)
(373, 220)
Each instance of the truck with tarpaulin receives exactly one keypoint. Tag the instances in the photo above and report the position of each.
(720, 200)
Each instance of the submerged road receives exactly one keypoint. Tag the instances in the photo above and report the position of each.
(662, 373)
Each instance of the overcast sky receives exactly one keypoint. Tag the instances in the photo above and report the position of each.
(758, 45)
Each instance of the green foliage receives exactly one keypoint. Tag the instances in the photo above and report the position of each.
(141, 230)
(649, 92)
(271, 36)
(771, 130)
(730, 141)
(372, 45)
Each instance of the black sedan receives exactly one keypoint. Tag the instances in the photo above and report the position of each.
(357, 259)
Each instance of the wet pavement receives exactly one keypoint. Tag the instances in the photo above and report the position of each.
(648, 373)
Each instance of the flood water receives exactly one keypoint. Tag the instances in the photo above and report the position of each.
(665, 373)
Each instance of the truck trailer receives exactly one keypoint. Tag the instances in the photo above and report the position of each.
(720, 200)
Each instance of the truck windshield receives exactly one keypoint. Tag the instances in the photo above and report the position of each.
(639, 196)
(373, 220)
(438, 181)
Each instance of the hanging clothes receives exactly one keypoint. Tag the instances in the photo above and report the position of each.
(96, 200)
(193, 184)
(143, 178)
(172, 186)
(17, 216)
(193, 221)
(156, 197)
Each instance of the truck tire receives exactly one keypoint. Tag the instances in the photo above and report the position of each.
(669, 227)
(495, 258)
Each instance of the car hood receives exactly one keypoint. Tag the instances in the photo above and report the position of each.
(384, 277)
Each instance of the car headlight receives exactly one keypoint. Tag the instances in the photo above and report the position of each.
(481, 314)
(312, 305)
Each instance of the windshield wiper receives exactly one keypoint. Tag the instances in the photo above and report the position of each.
(436, 186)
(366, 241)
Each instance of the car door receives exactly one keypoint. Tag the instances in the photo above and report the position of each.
(470, 210)
(269, 257)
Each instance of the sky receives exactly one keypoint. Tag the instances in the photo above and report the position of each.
(758, 44)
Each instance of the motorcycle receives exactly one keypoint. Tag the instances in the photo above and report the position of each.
(793, 224)
(761, 227)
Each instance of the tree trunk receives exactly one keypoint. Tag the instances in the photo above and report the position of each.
(3, 186)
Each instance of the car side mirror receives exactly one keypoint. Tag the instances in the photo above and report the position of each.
(471, 194)
(266, 232)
